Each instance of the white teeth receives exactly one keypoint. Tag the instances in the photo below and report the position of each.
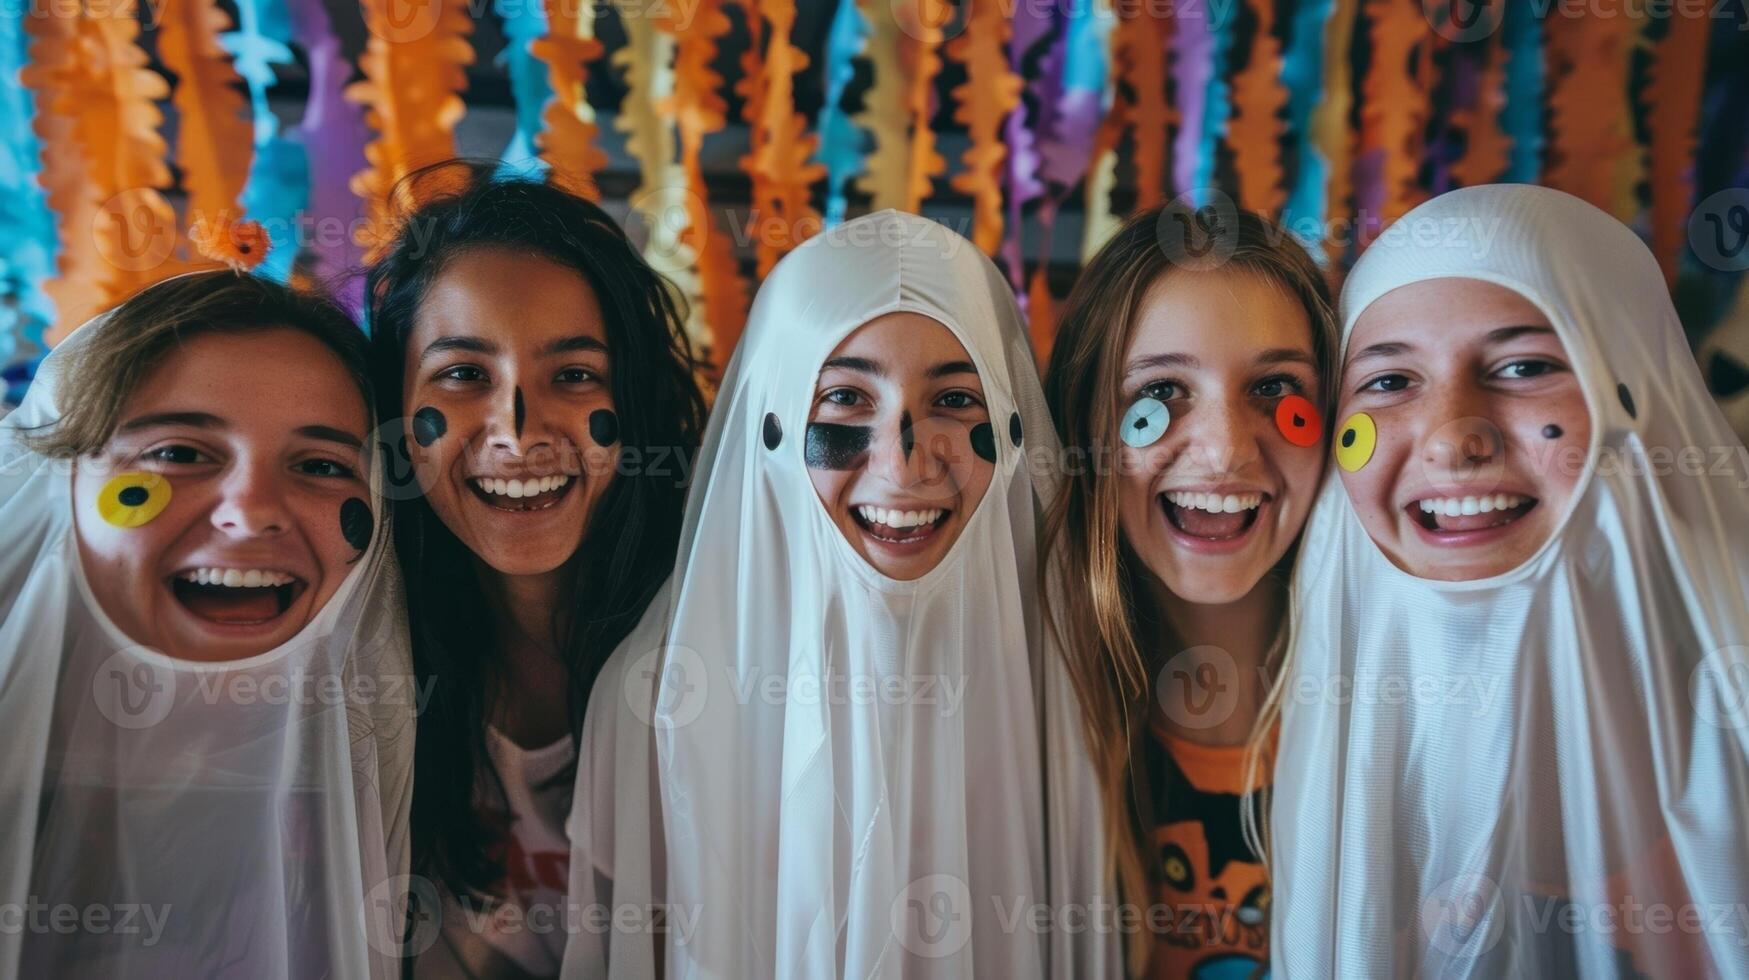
(1216, 503)
(516, 489)
(1466, 506)
(238, 578)
(899, 518)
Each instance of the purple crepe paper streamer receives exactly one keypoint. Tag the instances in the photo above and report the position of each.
(1193, 44)
(334, 133)
(1034, 24)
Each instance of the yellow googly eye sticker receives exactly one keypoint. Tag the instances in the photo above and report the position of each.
(1355, 441)
(133, 499)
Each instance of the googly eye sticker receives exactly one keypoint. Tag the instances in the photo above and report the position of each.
(1355, 441)
(1145, 422)
(133, 499)
(1299, 421)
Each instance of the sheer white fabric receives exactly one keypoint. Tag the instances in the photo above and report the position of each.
(1540, 774)
(244, 819)
(855, 772)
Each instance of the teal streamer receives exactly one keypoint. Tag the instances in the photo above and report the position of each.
(1302, 72)
(1522, 118)
(1218, 107)
(28, 242)
(525, 21)
(277, 191)
(841, 140)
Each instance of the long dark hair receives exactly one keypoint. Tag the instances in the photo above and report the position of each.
(635, 528)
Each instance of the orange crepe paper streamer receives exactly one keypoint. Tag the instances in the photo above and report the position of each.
(1673, 99)
(103, 160)
(1139, 41)
(1487, 148)
(1330, 129)
(414, 72)
(982, 104)
(214, 133)
(1255, 129)
(1592, 150)
(567, 139)
(701, 110)
(782, 146)
(1395, 101)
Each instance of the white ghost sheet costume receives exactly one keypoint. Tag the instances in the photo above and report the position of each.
(860, 777)
(1541, 773)
(244, 819)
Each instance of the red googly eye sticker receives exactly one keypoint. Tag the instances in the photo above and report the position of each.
(1298, 420)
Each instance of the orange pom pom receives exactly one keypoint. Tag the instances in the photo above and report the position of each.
(242, 245)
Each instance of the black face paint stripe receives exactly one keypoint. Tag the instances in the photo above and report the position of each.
(984, 441)
(830, 446)
(604, 427)
(356, 523)
(1553, 432)
(521, 412)
(429, 425)
(907, 440)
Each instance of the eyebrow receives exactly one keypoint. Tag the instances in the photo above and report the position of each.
(1141, 364)
(1286, 355)
(861, 364)
(198, 420)
(328, 433)
(580, 342)
(1501, 335)
(947, 368)
(1388, 349)
(444, 344)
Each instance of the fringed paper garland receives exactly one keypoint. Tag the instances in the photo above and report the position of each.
(567, 140)
(214, 136)
(278, 187)
(525, 21)
(647, 60)
(1394, 109)
(1592, 150)
(1138, 107)
(27, 227)
(333, 135)
(1036, 54)
(1672, 99)
(926, 161)
(1193, 65)
(1487, 149)
(103, 159)
(1521, 34)
(1302, 74)
(700, 111)
(1255, 130)
(414, 74)
(1331, 134)
(840, 142)
(782, 147)
(982, 104)
(885, 115)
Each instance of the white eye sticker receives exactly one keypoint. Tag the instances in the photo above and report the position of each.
(1145, 422)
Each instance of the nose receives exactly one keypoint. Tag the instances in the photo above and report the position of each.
(252, 502)
(507, 425)
(1222, 436)
(900, 458)
(1467, 439)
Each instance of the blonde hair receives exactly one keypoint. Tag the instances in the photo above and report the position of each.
(1094, 618)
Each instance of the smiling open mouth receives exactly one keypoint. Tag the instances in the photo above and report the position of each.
(236, 596)
(1212, 516)
(899, 526)
(1456, 515)
(534, 493)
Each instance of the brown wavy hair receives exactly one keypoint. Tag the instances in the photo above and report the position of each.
(1093, 616)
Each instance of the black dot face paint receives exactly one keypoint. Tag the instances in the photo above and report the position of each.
(133, 496)
(773, 431)
(984, 442)
(1014, 429)
(429, 425)
(830, 446)
(907, 440)
(521, 412)
(1627, 399)
(603, 427)
(1553, 432)
(356, 523)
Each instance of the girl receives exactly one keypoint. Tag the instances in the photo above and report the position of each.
(1195, 396)
(850, 665)
(1517, 741)
(204, 680)
(549, 406)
